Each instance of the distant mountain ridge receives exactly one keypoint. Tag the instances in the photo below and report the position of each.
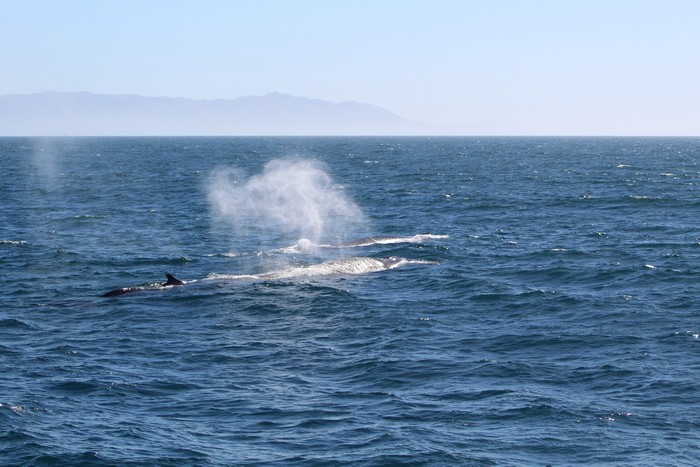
(54, 113)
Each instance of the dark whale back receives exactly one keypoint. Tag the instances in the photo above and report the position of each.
(172, 280)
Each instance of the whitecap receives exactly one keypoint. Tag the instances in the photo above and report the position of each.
(13, 242)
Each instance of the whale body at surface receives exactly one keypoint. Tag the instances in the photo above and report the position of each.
(356, 265)
(172, 281)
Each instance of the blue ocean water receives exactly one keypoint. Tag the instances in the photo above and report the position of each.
(519, 301)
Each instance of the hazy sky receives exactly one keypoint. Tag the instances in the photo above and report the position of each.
(493, 66)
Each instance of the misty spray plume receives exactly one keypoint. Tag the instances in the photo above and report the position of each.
(288, 201)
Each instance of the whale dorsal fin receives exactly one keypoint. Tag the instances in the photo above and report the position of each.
(172, 280)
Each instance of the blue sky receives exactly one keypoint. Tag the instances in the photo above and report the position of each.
(494, 66)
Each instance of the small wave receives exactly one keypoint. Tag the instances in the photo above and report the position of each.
(14, 323)
(163, 260)
(692, 334)
(18, 409)
(76, 386)
(13, 242)
(228, 254)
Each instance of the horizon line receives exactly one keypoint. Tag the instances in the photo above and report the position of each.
(349, 136)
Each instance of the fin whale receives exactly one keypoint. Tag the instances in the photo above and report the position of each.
(171, 281)
(388, 240)
(352, 266)
(347, 266)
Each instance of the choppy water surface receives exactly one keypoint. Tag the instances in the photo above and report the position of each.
(435, 301)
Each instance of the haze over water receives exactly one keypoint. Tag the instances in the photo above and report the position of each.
(499, 67)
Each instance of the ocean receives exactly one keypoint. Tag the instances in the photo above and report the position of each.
(350, 301)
